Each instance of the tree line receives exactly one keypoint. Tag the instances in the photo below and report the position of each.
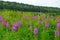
(26, 7)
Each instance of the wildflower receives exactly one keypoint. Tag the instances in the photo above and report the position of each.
(14, 28)
(35, 31)
(3, 23)
(39, 21)
(34, 17)
(19, 23)
(7, 25)
(57, 20)
(46, 24)
(58, 25)
(57, 33)
(44, 17)
(15, 24)
(0, 18)
(25, 17)
(30, 27)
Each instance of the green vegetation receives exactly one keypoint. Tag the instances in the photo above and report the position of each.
(26, 22)
(24, 32)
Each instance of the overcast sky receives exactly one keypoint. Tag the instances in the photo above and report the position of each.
(50, 3)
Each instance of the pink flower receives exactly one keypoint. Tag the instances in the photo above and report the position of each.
(0, 18)
(39, 21)
(58, 25)
(3, 23)
(44, 17)
(26, 17)
(7, 25)
(19, 23)
(30, 27)
(15, 24)
(35, 31)
(57, 20)
(57, 33)
(34, 17)
(14, 28)
(46, 24)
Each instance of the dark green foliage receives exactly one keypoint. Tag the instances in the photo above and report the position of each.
(26, 7)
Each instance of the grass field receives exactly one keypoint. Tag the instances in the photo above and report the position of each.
(17, 25)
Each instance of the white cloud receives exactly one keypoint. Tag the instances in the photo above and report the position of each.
(51, 3)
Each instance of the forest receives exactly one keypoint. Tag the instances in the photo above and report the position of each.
(26, 7)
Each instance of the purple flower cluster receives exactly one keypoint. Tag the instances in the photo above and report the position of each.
(7, 25)
(4, 23)
(19, 23)
(15, 25)
(56, 33)
(35, 31)
(47, 24)
(58, 25)
(14, 28)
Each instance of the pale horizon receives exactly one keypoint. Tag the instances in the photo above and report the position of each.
(48, 3)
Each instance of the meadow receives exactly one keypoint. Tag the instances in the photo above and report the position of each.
(18, 25)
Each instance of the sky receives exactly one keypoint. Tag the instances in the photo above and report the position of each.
(49, 3)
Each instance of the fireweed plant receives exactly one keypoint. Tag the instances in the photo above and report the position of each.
(16, 25)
